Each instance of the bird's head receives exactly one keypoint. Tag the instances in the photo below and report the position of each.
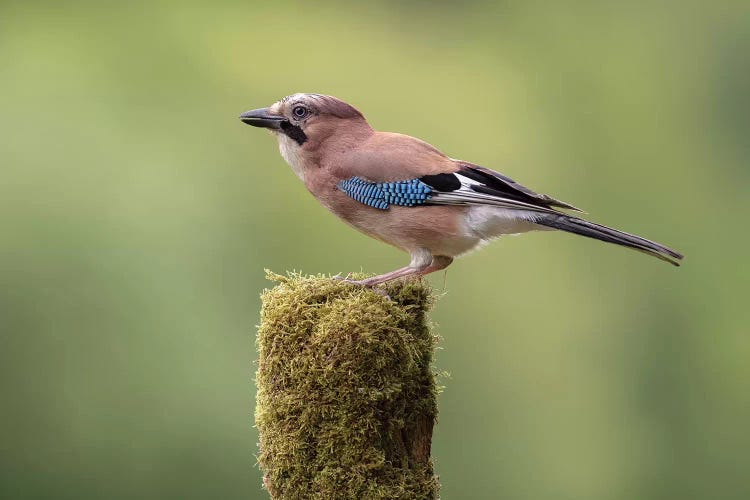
(307, 119)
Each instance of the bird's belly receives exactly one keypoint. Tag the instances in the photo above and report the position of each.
(440, 229)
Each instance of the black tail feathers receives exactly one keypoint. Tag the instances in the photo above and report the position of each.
(603, 233)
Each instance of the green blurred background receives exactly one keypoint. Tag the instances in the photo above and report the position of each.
(137, 215)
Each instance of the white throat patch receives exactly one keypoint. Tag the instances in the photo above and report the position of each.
(290, 151)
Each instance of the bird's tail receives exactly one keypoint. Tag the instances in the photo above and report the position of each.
(597, 231)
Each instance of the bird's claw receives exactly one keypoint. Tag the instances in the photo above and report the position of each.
(362, 283)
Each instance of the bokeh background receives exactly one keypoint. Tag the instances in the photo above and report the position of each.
(137, 215)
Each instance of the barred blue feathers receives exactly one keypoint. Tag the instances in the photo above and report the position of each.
(382, 194)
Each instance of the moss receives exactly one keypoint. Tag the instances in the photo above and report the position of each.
(346, 393)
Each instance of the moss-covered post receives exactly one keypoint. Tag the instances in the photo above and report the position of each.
(346, 393)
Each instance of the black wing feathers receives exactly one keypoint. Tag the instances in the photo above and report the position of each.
(495, 183)
(442, 182)
(489, 182)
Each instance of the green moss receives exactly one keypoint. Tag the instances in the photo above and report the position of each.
(346, 393)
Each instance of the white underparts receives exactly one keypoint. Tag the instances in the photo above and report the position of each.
(488, 222)
(420, 258)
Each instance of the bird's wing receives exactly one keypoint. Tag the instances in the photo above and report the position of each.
(492, 182)
(463, 187)
(390, 157)
(394, 169)
(470, 186)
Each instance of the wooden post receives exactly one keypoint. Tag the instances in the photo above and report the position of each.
(346, 391)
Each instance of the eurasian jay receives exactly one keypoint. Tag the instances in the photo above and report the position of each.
(403, 191)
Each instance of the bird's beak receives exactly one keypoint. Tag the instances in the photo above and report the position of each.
(262, 118)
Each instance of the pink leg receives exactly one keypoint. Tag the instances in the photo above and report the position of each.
(437, 263)
(376, 280)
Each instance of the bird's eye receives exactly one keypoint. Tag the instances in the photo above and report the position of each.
(300, 112)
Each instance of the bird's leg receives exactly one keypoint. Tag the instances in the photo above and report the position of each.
(377, 280)
(422, 262)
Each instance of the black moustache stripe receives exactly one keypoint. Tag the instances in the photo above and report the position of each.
(294, 132)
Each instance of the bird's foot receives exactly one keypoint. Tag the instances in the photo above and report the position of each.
(363, 283)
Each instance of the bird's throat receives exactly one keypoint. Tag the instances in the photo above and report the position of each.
(291, 151)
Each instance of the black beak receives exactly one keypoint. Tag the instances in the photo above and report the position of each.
(262, 118)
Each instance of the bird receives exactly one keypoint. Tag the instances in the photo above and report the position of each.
(405, 192)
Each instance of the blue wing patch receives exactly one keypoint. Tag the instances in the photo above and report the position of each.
(382, 194)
